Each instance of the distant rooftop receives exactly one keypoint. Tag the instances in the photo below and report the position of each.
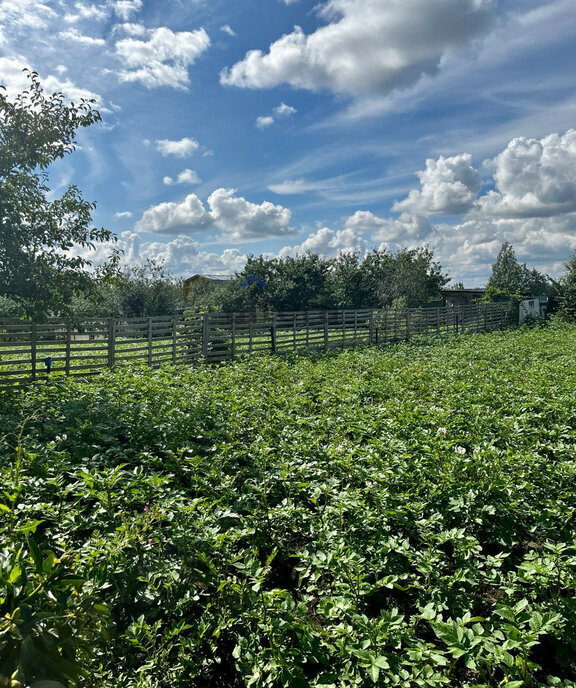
(210, 278)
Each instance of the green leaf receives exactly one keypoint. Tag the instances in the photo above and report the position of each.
(15, 574)
(374, 672)
(29, 527)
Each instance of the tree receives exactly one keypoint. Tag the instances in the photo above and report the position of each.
(407, 279)
(349, 283)
(567, 290)
(292, 284)
(509, 277)
(38, 268)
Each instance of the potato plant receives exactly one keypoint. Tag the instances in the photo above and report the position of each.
(402, 516)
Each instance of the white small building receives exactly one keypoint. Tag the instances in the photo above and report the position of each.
(532, 307)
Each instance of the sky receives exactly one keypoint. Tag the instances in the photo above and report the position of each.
(237, 127)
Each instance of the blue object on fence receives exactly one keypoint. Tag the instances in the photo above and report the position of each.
(253, 278)
(48, 363)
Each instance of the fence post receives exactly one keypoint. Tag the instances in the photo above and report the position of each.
(233, 329)
(111, 342)
(273, 333)
(68, 344)
(205, 335)
(294, 330)
(371, 327)
(150, 342)
(174, 320)
(33, 340)
(326, 330)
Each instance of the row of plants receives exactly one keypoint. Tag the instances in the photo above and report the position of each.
(400, 516)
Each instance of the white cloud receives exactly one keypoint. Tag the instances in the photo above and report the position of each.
(176, 218)
(84, 12)
(468, 249)
(369, 46)
(328, 242)
(228, 29)
(239, 219)
(185, 177)
(183, 148)
(132, 29)
(163, 59)
(284, 110)
(15, 81)
(125, 214)
(406, 229)
(264, 122)
(125, 8)
(300, 186)
(233, 216)
(449, 186)
(75, 36)
(534, 178)
(182, 255)
(25, 14)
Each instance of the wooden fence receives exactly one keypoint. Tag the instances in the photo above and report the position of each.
(30, 350)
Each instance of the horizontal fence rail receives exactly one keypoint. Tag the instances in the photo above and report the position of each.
(31, 351)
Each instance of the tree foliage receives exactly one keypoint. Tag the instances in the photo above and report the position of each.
(509, 277)
(567, 290)
(141, 291)
(37, 266)
(408, 278)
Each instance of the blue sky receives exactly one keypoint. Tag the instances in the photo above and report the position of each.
(280, 126)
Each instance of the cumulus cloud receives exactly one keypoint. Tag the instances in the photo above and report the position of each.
(264, 122)
(534, 178)
(406, 229)
(239, 219)
(74, 36)
(83, 12)
(283, 111)
(183, 148)
(533, 206)
(228, 29)
(182, 255)
(25, 14)
(233, 216)
(185, 177)
(126, 214)
(162, 58)
(368, 46)
(125, 8)
(469, 248)
(175, 218)
(328, 242)
(131, 28)
(449, 186)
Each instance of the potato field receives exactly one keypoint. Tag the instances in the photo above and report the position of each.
(399, 516)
